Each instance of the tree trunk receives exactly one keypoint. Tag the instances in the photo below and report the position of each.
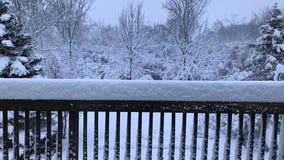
(130, 70)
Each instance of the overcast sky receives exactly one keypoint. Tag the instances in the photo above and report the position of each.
(108, 11)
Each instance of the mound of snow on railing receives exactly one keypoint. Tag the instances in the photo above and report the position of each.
(220, 91)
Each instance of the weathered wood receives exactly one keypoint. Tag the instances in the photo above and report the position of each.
(73, 135)
(205, 139)
(85, 135)
(96, 136)
(48, 136)
(217, 137)
(150, 137)
(251, 136)
(106, 147)
(194, 137)
(117, 137)
(59, 135)
(228, 141)
(161, 136)
(240, 136)
(128, 137)
(5, 135)
(263, 137)
(27, 135)
(173, 137)
(37, 136)
(273, 154)
(16, 134)
(183, 137)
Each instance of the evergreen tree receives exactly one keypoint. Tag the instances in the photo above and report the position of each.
(16, 58)
(269, 48)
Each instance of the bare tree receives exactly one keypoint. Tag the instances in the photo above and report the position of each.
(69, 24)
(184, 16)
(132, 32)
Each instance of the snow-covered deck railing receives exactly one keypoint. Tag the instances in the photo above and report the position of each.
(129, 108)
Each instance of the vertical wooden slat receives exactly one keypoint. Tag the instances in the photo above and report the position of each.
(59, 135)
(128, 136)
(183, 137)
(161, 136)
(96, 136)
(263, 136)
(194, 137)
(5, 136)
(73, 135)
(173, 133)
(48, 135)
(274, 138)
(106, 147)
(85, 134)
(117, 137)
(37, 137)
(16, 134)
(217, 137)
(139, 137)
(241, 136)
(27, 135)
(205, 140)
(228, 141)
(251, 135)
(150, 137)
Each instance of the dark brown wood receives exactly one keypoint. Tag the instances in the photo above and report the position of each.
(173, 137)
(16, 134)
(139, 137)
(59, 135)
(263, 137)
(27, 135)
(217, 137)
(228, 141)
(150, 137)
(183, 137)
(161, 136)
(194, 137)
(117, 137)
(205, 139)
(73, 135)
(96, 136)
(128, 137)
(5, 135)
(48, 136)
(106, 147)
(240, 136)
(251, 136)
(274, 138)
(37, 139)
(85, 135)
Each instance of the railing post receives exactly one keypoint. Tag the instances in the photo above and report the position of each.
(73, 135)
(281, 145)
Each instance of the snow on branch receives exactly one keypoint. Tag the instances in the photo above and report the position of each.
(220, 91)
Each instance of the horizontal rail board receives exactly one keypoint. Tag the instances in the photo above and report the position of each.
(143, 106)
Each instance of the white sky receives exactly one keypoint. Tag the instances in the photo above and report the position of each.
(107, 11)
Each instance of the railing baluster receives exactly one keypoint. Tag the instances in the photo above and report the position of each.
(85, 134)
(37, 137)
(139, 137)
(251, 136)
(173, 135)
(16, 134)
(117, 137)
(217, 137)
(150, 137)
(96, 136)
(228, 141)
(48, 135)
(27, 135)
(128, 136)
(73, 135)
(106, 147)
(183, 137)
(59, 135)
(241, 136)
(194, 137)
(205, 140)
(161, 136)
(263, 136)
(5, 136)
(273, 154)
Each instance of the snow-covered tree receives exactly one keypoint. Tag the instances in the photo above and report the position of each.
(269, 47)
(16, 58)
